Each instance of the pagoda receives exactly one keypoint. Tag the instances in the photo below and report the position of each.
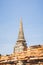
(22, 54)
(21, 42)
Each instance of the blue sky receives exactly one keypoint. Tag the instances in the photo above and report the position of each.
(11, 11)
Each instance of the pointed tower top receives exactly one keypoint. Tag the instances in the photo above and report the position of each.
(21, 33)
(20, 43)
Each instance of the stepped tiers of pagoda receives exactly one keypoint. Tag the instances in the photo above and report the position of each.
(22, 54)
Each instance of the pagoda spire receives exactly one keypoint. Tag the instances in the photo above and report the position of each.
(20, 43)
(21, 33)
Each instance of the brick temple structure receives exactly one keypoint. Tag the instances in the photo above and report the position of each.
(22, 54)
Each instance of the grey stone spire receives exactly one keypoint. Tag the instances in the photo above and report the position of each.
(21, 33)
(20, 43)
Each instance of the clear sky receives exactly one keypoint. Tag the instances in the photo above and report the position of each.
(11, 11)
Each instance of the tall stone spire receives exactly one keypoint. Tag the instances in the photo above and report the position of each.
(21, 33)
(20, 43)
